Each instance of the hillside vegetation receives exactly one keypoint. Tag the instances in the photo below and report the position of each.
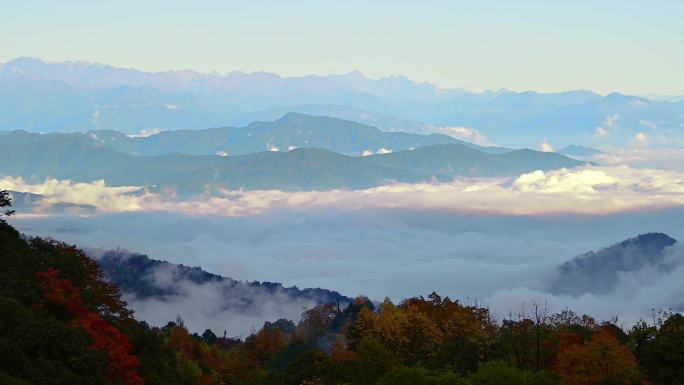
(75, 157)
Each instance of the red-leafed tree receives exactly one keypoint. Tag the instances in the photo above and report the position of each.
(602, 358)
(62, 293)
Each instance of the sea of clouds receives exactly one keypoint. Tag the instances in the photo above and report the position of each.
(588, 190)
(496, 240)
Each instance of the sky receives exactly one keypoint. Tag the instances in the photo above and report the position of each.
(634, 47)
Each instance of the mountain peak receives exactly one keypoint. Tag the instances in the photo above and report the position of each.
(294, 115)
(32, 63)
(657, 241)
(314, 119)
(597, 272)
(23, 64)
(25, 60)
(620, 98)
(356, 74)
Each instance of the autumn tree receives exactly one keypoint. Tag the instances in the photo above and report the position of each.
(197, 360)
(263, 345)
(96, 293)
(317, 321)
(62, 293)
(405, 331)
(516, 341)
(465, 333)
(361, 323)
(600, 359)
(526, 339)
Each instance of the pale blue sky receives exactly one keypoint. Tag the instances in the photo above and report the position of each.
(627, 46)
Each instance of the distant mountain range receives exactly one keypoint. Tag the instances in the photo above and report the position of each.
(88, 157)
(95, 76)
(290, 131)
(597, 272)
(77, 96)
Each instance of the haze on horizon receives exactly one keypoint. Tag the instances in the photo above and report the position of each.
(633, 47)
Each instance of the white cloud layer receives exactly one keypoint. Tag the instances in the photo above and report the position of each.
(642, 157)
(98, 194)
(463, 133)
(589, 191)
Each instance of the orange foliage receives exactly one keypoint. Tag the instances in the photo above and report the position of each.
(603, 356)
(264, 345)
(122, 364)
(453, 321)
(213, 362)
(567, 339)
(339, 350)
(418, 329)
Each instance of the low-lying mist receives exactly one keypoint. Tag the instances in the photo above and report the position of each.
(495, 240)
(503, 260)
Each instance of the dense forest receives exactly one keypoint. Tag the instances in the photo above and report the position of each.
(61, 322)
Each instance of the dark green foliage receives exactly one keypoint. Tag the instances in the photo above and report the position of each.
(371, 361)
(420, 376)
(18, 267)
(661, 350)
(37, 348)
(6, 379)
(285, 326)
(281, 360)
(309, 366)
(209, 337)
(158, 362)
(499, 373)
(5, 201)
